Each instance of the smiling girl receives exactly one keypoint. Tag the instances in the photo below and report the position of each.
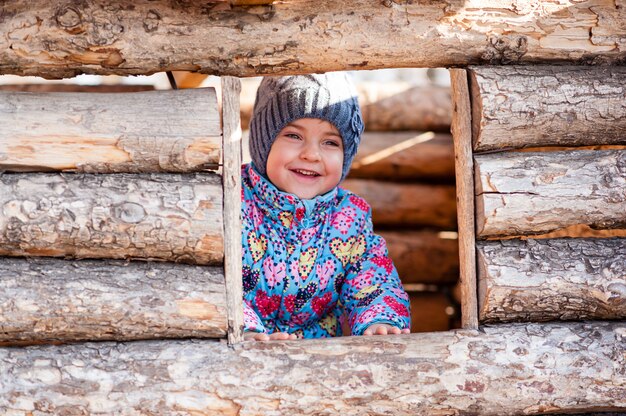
(310, 255)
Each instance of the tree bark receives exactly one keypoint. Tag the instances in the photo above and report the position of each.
(167, 217)
(542, 280)
(423, 256)
(407, 205)
(108, 88)
(171, 131)
(44, 300)
(63, 39)
(405, 156)
(533, 193)
(499, 370)
(514, 107)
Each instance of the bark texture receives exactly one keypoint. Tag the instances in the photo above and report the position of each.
(407, 205)
(532, 193)
(60, 39)
(500, 370)
(168, 217)
(43, 300)
(75, 88)
(405, 156)
(542, 280)
(172, 131)
(423, 256)
(547, 106)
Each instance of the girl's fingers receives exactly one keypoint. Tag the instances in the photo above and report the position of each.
(406, 331)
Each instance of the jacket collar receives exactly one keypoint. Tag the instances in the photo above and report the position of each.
(286, 208)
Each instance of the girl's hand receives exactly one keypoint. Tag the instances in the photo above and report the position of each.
(385, 329)
(276, 336)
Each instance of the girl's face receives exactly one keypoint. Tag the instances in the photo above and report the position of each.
(306, 159)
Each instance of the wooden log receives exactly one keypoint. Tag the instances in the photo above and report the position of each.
(387, 106)
(231, 88)
(533, 193)
(167, 217)
(155, 131)
(423, 256)
(429, 311)
(43, 300)
(54, 87)
(404, 156)
(498, 370)
(60, 40)
(464, 168)
(542, 280)
(417, 108)
(407, 205)
(516, 107)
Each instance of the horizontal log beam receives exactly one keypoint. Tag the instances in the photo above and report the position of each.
(155, 131)
(44, 300)
(120, 216)
(423, 256)
(57, 87)
(404, 156)
(57, 39)
(407, 205)
(515, 107)
(533, 192)
(505, 369)
(542, 280)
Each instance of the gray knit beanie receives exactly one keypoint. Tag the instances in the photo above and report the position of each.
(281, 100)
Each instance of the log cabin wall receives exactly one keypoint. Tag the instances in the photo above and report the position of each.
(550, 157)
(118, 177)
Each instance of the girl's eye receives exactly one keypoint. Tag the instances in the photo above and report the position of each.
(292, 136)
(332, 143)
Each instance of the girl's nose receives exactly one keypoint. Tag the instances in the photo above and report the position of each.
(310, 152)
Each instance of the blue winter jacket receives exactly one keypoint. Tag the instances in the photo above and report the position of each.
(306, 262)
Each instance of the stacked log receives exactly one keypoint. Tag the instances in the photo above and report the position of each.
(94, 182)
(537, 259)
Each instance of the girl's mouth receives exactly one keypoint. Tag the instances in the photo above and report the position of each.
(307, 173)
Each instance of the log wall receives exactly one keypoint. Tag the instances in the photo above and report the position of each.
(497, 370)
(574, 179)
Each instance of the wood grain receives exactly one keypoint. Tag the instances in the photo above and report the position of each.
(61, 40)
(499, 370)
(51, 300)
(516, 107)
(542, 280)
(464, 168)
(154, 131)
(231, 87)
(121, 216)
(533, 193)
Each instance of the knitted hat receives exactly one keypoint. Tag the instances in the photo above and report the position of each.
(281, 100)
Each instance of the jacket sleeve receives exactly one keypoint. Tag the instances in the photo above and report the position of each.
(251, 320)
(372, 292)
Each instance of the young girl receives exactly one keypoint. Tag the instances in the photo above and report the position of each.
(309, 251)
